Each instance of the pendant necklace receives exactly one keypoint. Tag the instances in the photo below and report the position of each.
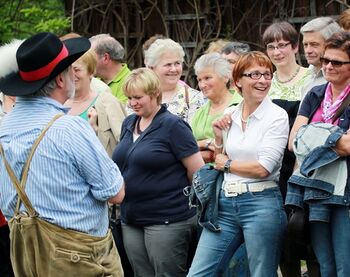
(291, 78)
(244, 121)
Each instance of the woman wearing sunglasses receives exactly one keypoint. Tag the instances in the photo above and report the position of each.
(331, 238)
(250, 205)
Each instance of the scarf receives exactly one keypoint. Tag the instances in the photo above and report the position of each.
(328, 108)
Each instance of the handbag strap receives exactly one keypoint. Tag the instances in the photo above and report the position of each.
(187, 100)
(20, 186)
(341, 108)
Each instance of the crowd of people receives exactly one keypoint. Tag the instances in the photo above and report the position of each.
(85, 141)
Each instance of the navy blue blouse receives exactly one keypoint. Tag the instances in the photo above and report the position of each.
(152, 169)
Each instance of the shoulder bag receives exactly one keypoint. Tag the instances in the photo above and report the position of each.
(43, 249)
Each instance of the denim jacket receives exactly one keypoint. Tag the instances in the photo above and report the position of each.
(204, 194)
(322, 174)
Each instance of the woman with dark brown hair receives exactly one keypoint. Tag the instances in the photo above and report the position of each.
(282, 44)
(330, 223)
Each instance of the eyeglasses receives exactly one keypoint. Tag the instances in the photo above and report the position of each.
(256, 75)
(280, 46)
(334, 63)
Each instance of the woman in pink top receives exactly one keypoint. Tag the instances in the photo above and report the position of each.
(331, 240)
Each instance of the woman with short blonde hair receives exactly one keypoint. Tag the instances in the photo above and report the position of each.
(157, 156)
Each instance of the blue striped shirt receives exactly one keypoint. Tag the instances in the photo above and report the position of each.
(70, 176)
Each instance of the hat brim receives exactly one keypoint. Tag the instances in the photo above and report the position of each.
(14, 85)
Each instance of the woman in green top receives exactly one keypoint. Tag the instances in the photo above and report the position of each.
(281, 42)
(213, 75)
(94, 102)
(289, 80)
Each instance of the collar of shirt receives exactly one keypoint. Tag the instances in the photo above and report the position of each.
(121, 74)
(258, 113)
(315, 73)
(40, 101)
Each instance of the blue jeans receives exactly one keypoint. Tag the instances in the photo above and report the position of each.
(331, 242)
(258, 219)
(238, 265)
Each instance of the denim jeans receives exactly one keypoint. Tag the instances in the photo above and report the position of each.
(258, 219)
(238, 265)
(331, 242)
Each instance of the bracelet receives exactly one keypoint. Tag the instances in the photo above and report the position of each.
(217, 145)
(207, 143)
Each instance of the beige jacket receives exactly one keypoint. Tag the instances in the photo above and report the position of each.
(110, 116)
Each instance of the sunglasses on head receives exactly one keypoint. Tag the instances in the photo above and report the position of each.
(334, 63)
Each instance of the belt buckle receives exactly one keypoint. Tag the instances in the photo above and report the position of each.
(228, 192)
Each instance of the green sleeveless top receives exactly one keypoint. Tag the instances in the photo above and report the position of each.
(84, 114)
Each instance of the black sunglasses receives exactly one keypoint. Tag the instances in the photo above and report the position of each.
(334, 63)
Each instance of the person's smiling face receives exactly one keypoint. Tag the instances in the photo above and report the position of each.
(210, 83)
(338, 75)
(255, 90)
(281, 52)
(169, 69)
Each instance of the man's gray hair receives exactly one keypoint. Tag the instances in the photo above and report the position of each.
(105, 43)
(215, 61)
(235, 47)
(48, 88)
(326, 26)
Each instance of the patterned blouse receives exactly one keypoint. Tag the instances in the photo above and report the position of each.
(291, 92)
(186, 109)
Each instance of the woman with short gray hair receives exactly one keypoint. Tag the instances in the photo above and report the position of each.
(165, 57)
(213, 74)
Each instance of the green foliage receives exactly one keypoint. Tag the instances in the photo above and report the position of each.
(22, 18)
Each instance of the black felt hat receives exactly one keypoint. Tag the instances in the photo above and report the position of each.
(40, 59)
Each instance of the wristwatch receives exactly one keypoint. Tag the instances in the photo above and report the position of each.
(227, 166)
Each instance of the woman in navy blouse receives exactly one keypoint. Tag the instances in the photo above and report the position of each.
(157, 156)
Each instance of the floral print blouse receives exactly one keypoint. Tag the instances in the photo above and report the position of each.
(186, 109)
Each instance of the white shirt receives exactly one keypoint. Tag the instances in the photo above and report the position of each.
(264, 139)
(316, 78)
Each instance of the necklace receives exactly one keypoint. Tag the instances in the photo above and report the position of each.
(244, 121)
(291, 78)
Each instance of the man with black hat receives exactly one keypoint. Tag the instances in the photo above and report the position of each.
(56, 167)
